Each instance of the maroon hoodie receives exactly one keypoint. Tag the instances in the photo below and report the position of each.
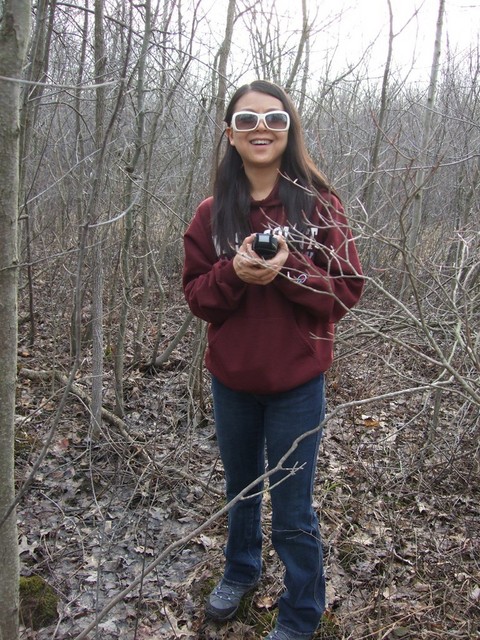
(269, 339)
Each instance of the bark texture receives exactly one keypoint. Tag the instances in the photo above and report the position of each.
(14, 31)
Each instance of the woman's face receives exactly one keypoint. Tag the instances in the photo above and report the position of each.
(262, 147)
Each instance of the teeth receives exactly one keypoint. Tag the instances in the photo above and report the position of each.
(260, 141)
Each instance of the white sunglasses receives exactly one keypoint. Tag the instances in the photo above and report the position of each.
(249, 120)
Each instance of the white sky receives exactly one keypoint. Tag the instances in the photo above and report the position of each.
(364, 22)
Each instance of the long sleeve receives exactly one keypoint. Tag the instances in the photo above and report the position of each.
(212, 288)
(325, 278)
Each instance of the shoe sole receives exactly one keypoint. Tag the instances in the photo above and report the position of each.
(213, 615)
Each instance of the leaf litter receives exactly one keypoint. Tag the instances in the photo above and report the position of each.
(399, 509)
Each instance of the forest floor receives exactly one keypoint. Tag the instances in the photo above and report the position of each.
(397, 493)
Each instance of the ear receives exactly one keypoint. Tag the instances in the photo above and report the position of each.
(229, 132)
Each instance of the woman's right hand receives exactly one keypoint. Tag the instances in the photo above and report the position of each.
(252, 269)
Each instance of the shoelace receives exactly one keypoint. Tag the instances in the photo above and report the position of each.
(225, 592)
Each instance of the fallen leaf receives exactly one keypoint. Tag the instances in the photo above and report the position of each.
(371, 423)
(206, 541)
(265, 602)
(475, 595)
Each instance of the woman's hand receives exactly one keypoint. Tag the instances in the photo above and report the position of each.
(252, 269)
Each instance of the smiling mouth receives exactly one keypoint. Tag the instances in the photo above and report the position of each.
(261, 142)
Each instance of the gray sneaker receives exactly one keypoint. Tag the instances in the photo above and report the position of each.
(224, 600)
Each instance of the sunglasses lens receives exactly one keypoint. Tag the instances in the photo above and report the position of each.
(249, 120)
(277, 120)
(245, 121)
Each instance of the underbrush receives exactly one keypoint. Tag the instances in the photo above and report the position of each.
(397, 493)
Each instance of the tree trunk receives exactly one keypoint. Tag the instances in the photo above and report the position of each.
(221, 73)
(14, 33)
(97, 256)
(130, 173)
(370, 182)
(36, 71)
(417, 213)
(301, 64)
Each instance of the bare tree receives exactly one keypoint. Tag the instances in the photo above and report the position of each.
(14, 33)
(131, 179)
(422, 171)
(36, 73)
(97, 254)
(369, 189)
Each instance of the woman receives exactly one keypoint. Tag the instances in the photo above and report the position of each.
(270, 340)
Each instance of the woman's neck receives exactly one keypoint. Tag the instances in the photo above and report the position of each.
(261, 182)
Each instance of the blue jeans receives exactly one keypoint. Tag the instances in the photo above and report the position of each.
(247, 425)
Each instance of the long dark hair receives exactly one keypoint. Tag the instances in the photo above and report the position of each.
(231, 204)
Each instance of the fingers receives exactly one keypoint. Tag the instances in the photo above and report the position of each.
(253, 269)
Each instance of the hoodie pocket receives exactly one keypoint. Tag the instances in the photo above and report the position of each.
(260, 354)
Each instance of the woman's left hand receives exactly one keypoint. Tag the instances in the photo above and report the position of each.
(252, 269)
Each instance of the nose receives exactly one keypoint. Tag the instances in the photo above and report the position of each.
(261, 124)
